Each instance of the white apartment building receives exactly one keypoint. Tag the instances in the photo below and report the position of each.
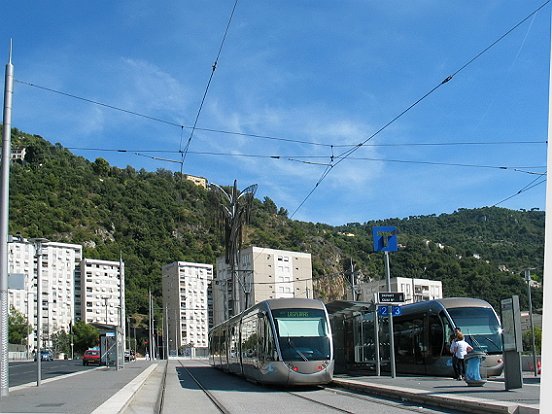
(60, 268)
(101, 292)
(186, 303)
(415, 290)
(264, 274)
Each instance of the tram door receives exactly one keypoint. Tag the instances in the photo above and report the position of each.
(365, 339)
(410, 343)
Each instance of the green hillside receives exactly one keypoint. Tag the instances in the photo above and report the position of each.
(153, 218)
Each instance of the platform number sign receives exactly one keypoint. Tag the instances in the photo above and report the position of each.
(384, 311)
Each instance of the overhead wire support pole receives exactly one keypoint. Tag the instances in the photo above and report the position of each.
(4, 223)
(390, 317)
(546, 377)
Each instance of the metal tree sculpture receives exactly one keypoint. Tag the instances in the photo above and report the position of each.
(236, 208)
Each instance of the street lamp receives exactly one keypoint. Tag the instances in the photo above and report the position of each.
(38, 243)
(528, 279)
(106, 298)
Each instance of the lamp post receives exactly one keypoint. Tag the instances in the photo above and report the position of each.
(105, 298)
(38, 243)
(528, 279)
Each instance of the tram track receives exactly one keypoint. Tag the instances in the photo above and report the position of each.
(220, 407)
(201, 385)
(333, 407)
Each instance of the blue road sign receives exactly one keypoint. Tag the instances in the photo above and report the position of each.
(385, 238)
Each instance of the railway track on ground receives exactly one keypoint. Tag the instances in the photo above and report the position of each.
(220, 407)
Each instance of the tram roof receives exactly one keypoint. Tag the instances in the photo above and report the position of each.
(344, 307)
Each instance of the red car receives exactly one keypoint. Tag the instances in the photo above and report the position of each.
(91, 356)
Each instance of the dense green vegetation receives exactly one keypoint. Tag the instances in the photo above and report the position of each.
(18, 328)
(153, 218)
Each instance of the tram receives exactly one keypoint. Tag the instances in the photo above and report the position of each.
(422, 334)
(277, 341)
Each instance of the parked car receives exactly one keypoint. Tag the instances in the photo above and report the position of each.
(45, 355)
(91, 356)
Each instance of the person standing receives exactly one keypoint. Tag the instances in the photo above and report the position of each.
(460, 348)
(452, 341)
(452, 350)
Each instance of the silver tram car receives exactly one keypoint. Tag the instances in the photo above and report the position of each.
(277, 341)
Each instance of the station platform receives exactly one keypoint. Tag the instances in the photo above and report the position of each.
(449, 393)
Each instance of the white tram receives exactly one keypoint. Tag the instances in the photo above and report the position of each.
(277, 341)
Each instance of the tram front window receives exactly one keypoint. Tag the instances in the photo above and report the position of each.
(302, 334)
(480, 327)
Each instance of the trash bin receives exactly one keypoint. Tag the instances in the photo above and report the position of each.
(476, 370)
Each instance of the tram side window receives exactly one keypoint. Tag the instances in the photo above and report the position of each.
(249, 337)
(436, 336)
(266, 341)
(233, 342)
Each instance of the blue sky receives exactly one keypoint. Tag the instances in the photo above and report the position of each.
(323, 72)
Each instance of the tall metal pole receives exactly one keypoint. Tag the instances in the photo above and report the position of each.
(38, 247)
(546, 358)
(167, 331)
(377, 343)
(176, 325)
(106, 308)
(353, 293)
(122, 301)
(150, 327)
(533, 347)
(390, 317)
(4, 222)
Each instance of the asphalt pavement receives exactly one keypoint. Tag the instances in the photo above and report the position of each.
(99, 391)
(136, 389)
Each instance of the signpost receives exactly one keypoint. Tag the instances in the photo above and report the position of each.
(385, 240)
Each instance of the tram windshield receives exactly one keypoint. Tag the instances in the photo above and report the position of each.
(480, 327)
(302, 334)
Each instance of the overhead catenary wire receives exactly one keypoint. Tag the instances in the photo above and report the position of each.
(534, 183)
(303, 159)
(213, 69)
(259, 136)
(351, 151)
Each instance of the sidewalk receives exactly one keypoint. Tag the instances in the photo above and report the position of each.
(98, 391)
(449, 393)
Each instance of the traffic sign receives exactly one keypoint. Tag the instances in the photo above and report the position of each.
(390, 297)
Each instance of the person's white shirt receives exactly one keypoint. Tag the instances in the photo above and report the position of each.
(461, 348)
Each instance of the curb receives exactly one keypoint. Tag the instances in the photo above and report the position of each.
(465, 404)
(121, 399)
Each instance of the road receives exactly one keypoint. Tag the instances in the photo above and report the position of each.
(25, 371)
